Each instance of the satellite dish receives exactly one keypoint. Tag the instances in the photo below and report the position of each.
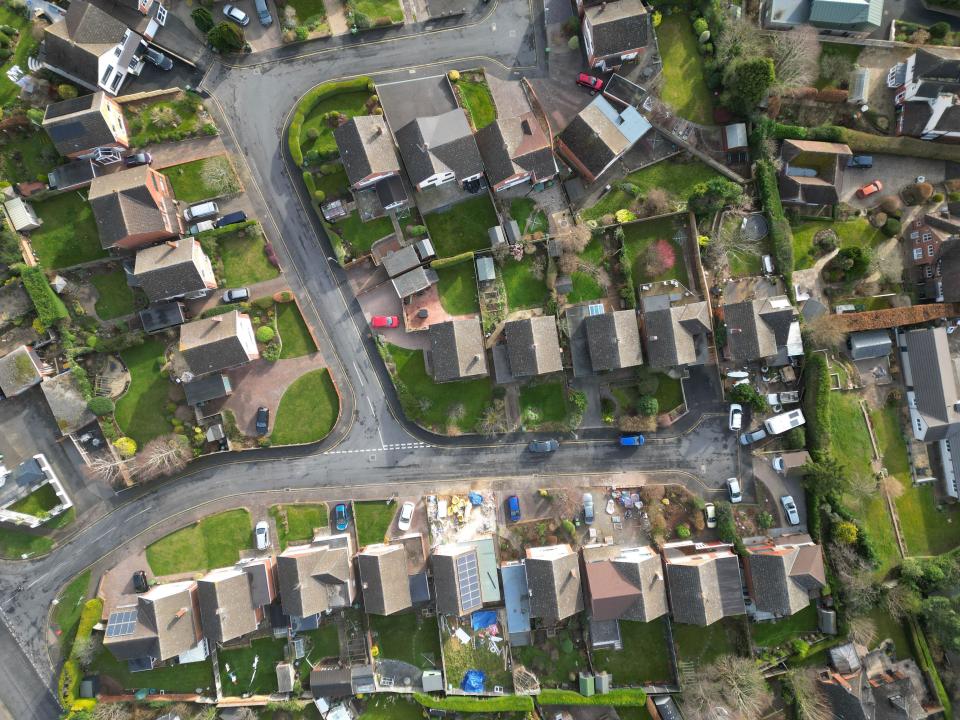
(864, 108)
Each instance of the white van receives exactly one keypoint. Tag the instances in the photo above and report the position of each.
(201, 227)
(767, 264)
(201, 211)
(779, 424)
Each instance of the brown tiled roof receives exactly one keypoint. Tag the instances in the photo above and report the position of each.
(895, 317)
(123, 205)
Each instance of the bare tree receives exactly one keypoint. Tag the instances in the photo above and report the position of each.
(111, 711)
(808, 698)
(863, 631)
(860, 589)
(732, 240)
(739, 38)
(208, 712)
(85, 650)
(494, 419)
(902, 601)
(567, 263)
(729, 686)
(164, 455)
(106, 468)
(836, 68)
(244, 713)
(824, 332)
(657, 202)
(576, 239)
(796, 56)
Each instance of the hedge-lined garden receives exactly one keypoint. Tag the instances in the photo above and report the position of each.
(300, 124)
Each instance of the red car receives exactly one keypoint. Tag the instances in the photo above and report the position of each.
(590, 82)
(385, 321)
(871, 189)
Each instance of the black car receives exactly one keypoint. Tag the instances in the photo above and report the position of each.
(860, 161)
(263, 420)
(140, 583)
(231, 219)
(140, 158)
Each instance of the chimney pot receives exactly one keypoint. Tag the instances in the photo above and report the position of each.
(181, 612)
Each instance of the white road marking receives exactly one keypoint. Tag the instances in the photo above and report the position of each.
(359, 374)
(394, 446)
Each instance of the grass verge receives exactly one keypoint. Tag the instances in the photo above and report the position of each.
(308, 410)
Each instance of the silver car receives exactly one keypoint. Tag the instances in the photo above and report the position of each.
(790, 508)
(588, 508)
(236, 14)
(543, 446)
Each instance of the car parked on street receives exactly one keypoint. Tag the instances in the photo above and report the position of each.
(262, 534)
(513, 507)
(588, 508)
(749, 438)
(736, 416)
(593, 84)
(263, 420)
(870, 189)
(543, 446)
(406, 516)
(733, 488)
(140, 583)
(384, 321)
(236, 14)
(340, 517)
(138, 159)
(790, 509)
(235, 295)
(710, 512)
(632, 440)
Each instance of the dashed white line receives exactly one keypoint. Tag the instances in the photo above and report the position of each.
(394, 446)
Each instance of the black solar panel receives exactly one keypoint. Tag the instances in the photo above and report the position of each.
(121, 622)
(468, 580)
(67, 130)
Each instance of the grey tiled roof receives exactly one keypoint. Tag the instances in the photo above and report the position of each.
(400, 261)
(554, 583)
(167, 624)
(76, 43)
(212, 344)
(703, 587)
(533, 346)
(123, 205)
(77, 124)
(776, 586)
(438, 144)
(413, 281)
(168, 270)
(583, 137)
(384, 579)
(618, 27)
(366, 147)
(932, 65)
(226, 605)
(457, 350)
(314, 579)
(672, 334)
(514, 146)
(614, 340)
(936, 384)
(757, 328)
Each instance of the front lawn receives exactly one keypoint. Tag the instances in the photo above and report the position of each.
(15, 543)
(175, 679)
(669, 391)
(244, 677)
(377, 9)
(476, 99)
(38, 503)
(243, 257)
(334, 185)
(645, 658)
(308, 410)
(772, 634)
(372, 519)
(438, 406)
(25, 44)
(463, 227)
(362, 235)
(849, 232)
(702, 645)
(66, 613)
(684, 87)
(165, 120)
(407, 637)
(525, 286)
(543, 404)
(26, 154)
(294, 334)
(675, 178)
(214, 542)
(307, 9)
(139, 410)
(458, 289)
(297, 522)
(653, 254)
(205, 179)
(114, 296)
(349, 104)
(68, 235)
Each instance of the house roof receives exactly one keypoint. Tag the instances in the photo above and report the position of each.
(847, 13)
(785, 574)
(209, 387)
(260, 573)
(76, 43)
(315, 578)
(614, 340)
(515, 146)
(553, 576)
(78, 124)
(949, 261)
(812, 171)
(439, 144)
(703, 581)
(599, 134)
(936, 380)
(384, 579)
(366, 147)
(533, 346)
(627, 586)
(166, 624)
(757, 328)
(226, 604)
(212, 344)
(672, 334)
(123, 205)
(18, 371)
(456, 579)
(162, 315)
(400, 261)
(618, 27)
(456, 350)
(413, 281)
(930, 64)
(66, 402)
(169, 269)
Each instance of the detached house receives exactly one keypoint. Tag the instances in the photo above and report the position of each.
(784, 573)
(676, 335)
(516, 150)
(456, 351)
(384, 579)
(763, 329)
(441, 149)
(134, 208)
(318, 577)
(812, 172)
(704, 582)
(217, 343)
(87, 126)
(599, 136)
(926, 86)
(174, 269)
(370, 159)
(615, 32)
(553, 576)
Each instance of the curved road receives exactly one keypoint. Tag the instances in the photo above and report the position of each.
(370, 446)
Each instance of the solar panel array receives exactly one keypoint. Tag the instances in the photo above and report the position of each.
(468, 579)
(121, 622)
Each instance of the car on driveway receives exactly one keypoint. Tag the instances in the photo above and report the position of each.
(588, 508)
(137, 159)
(159, 59)
(870, 189)
(263, 420)
(140, 583)
(513, 507)
(751, 437)
(861, 162)
(406, 516)
(593, 84)
(262, 533)
(233, 218)
(632, 440)
(236, 14)
(384, 321)
(790, 509)
(710, 512)
(736, 416)
(235, 295)
(340, 517)
(733, 488)
(263, 13)
(543, 446)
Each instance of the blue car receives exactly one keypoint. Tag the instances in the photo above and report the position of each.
(340, 516)
(632, 440)
(513, 506)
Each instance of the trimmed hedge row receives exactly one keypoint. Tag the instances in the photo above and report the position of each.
(50, 308)
(507, 703)
(452, 260)
(919, 641)
(624, 697)
(816, 404)
(309, 101)
(70, 673)
(781, 236)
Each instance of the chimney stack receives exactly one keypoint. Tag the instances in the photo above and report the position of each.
(180, 613)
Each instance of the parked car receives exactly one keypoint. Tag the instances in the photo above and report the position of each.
(736, 416)
(384, 321)
(860, 161)
(406, 516)
(201, 211)
(543, 446)
(137, 159)
(140, 583)
(262, 534)
(588, 508)
(236, 14)
(593, 84)
(710, 511)
(231, 219)
(870, 189)
(633, 440)
(263, 420)
(752, 437)
(159, 59)
(266, 19)
(340, 517)
(235, 295)
(790, 508)
(201, 227)
(513, 507)
(733, 488)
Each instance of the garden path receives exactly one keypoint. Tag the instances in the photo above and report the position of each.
(182, 151)
(336, 17)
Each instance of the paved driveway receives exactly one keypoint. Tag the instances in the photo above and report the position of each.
(778, 485)
(383, 300)
(894, 172)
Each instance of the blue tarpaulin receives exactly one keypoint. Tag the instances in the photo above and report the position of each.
(476, 498)
(483, 619)
(472, 681)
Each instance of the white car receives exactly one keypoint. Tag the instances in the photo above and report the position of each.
(236, 14)
(710, 510)
(733, 487)
(262, 534)
(790, 508)
(736, 417)
(406, 515)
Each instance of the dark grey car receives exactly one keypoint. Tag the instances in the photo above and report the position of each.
(543, 446)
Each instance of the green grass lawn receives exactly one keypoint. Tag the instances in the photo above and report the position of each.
(594, 252)
(215, 541)
(139, 409)
(244, 260)
(543, 404)
(376, 9)
(637, 240)
(703, 645)
(115, 298)
(307, 9)
(204, 179)
(548, 661)
(887, 627)
(677, 179)
(585, 287)
(14, 543)
(163, 120)
(463, 227)
(350, 104)
(27, 154)
(9, 91)
(771, 634)
(437, 406)
(322, 643)
(259, 681)
(850, 232)
(68, 235)
(297, 340)
(308, 410)
(529, 218)
(684, 87)
(743, 264)
(372, 519)
(851, 52)
(524, 289)
(391, 707)
(42, 500)
(669, 392)
(409, 638)
(334, 185)
(175, 679)
(458, 289)
(66, 613)
(298, 522)
(645, 657)
(362, 235)
(477, 100)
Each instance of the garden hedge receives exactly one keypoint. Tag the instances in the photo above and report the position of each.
(816, 404)
(452, 260)
(781, 236)
(507, 703)
(50, 308)
(309, 101)
(624, 697)
(919, 641)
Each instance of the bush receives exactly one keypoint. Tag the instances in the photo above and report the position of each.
(66, 91)
(452, 260)
(202, 19)
(127, 447)
(700, 26)
(832, 95)
(746, 394)
(891, 228)
(507, 703)
(625, 216)
(796, 438)
(265, 334)
(453, 76)
(226, 37)
(100, 406)
(647, 405)
(417, 230)
(69, 683)
(309, 101)
(621, 697)
(683, 531)
(569, 528)
(937, 198)
(939, 30)
(816, 405)
(50, 308)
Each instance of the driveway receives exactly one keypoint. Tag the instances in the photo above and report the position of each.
(894, 172)
(175, 153)
(778, 486)
(407, 100)
(383, 300)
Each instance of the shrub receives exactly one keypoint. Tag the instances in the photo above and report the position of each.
(621, 697)
(574, 42)
(265, 334)
(714, 195)
(746, 394)
(319, 195)
(625, 216)
(66, 91)
(845, 532)
(309, 101)
(313, 133)
(832, 95)
(939, 30)
(202, 19)
(647, 405)
(796, 438)
(657, 18)
(506, 703)
(127, 447)
(453, 75)
(452, 260)
(569, 528)
(69, 682)
(891, 228)
(101, 406)
(660, 257)
(816, 404)
(683, 531)
(49, 306)
(700, 26)
(937, 197)
(226, 37)
(417, 230)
